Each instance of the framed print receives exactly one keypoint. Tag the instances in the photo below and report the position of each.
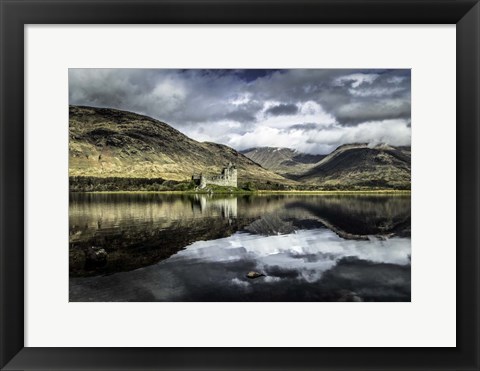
(266, 205)
(240, 185)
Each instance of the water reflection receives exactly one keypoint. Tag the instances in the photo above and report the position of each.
(227, 206)
(152, 247)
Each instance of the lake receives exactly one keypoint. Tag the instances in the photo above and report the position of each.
(164, 247)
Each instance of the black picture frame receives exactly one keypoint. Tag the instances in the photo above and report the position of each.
(17, 13)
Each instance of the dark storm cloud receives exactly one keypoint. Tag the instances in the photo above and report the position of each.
(253, 74)
(179, 97)
(282, 109)
(351, 96)
(259, 105)
(241, 116)
(386, 97)
(305, 127)
(245, 113)
(372, 110)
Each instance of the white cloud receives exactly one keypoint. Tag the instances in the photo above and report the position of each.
(324, 140)
(375, 92)
(395, 79)
(356, 79)
(240, 99)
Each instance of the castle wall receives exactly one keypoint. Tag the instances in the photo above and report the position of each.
(221, 182)
(228, 178)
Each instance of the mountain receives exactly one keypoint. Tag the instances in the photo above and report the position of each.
(363, 166)
(107, 142)
(283, 161)
(349, 166)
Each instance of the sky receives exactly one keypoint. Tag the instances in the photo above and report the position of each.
(310, 110)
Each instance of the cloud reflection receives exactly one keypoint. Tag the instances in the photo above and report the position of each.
(308, 265)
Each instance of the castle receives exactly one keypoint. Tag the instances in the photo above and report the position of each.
(228, 178)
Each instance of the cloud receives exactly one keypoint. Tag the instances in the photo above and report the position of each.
(357, 112)
(322, 140)
(356, 79)
(306, 126)
(245, 112)
(267, 107)
(282, 109)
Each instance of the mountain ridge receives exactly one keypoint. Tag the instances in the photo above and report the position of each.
(363, 165)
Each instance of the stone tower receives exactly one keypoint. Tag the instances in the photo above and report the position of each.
(232, 174)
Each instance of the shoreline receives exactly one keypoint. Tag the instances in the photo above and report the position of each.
(265, 192)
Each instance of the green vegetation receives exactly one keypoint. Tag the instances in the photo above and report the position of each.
(117, 184)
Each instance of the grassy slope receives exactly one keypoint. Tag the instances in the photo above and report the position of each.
(112, 143)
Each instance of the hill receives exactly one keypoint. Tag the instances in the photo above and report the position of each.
(362, 166)
(283, 161)
(106, 143)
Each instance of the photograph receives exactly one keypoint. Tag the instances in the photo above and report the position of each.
(239, 185)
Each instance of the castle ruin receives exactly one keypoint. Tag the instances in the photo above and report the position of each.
(228, 178)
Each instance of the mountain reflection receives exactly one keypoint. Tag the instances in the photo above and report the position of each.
(200, 247)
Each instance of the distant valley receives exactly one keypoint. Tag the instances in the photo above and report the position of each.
(284, 161)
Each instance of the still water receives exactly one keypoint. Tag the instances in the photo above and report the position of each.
(157, 247)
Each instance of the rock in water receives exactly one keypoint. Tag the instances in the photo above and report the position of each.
(95, 257)
(101, 254)
(253, 274)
